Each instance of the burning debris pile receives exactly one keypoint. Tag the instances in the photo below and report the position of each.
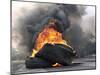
(56, 55)
(50, 49)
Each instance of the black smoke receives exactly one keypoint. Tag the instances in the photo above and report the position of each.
(30, 22)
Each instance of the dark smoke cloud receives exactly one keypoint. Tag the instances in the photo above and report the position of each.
(27, 14)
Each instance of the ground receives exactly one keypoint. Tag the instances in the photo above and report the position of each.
(89, 62)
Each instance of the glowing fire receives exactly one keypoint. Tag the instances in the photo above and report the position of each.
(48, 35)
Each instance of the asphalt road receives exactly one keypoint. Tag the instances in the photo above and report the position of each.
(18, 67)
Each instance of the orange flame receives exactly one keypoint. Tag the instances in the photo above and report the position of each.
(48, 35)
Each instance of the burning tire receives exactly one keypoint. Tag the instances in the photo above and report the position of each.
(49, 55)
(32, 63)
(50, 48)
(57, 53)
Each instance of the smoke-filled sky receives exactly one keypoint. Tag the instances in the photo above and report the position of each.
(88, 20)
(24, 13)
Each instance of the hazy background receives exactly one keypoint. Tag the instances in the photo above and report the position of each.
(81, 34)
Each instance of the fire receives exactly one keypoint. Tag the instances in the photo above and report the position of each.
(56, 65)
(48, 35)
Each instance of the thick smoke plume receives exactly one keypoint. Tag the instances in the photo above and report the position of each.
(27, 14)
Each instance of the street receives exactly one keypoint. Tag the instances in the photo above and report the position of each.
(78, 64)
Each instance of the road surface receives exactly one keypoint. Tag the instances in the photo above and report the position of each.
(78, 64)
